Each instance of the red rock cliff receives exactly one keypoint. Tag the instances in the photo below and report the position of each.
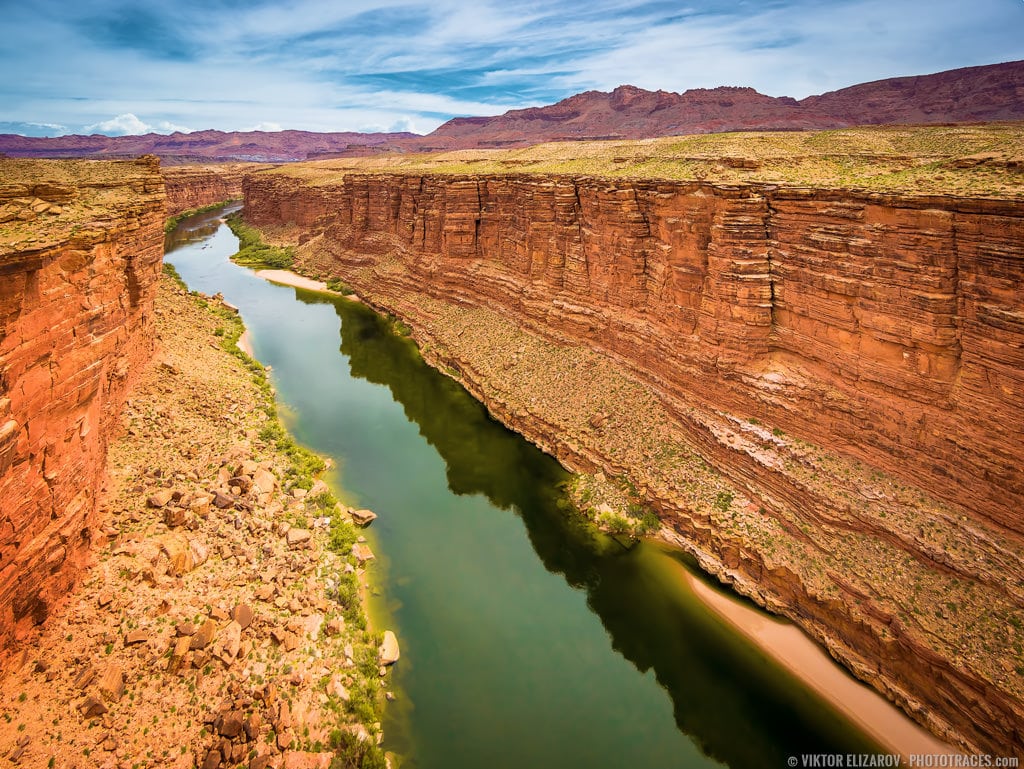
(191, 187)
(81, 244)
(883, 328)
(888, 326)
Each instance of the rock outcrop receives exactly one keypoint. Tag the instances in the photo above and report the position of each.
(883, 330)
(190, 187)
(81, 244)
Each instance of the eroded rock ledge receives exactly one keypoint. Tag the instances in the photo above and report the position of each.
(814, 388)
(80, 250)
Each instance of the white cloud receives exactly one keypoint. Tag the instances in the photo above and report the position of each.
(404, 123)
(127, 124)
(266, 126)
(798, 50)
(410, 64)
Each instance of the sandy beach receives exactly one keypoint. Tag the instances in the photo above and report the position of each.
(289, 278)
(809, 662)
(245, 343)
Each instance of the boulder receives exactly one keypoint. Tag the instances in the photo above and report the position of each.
(222, 501)
(389, 653)
(136, 637)
(229, 642)
(243, 615)
(299, 759)
(297, 537)
(160, 498)
(204, 635)
(92, 707)
(363, 517)
(362, 552)
(263, 481)
(111, 682)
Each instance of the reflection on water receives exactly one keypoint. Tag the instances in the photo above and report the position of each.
(528, 639)
(738, 706)
(197, 228)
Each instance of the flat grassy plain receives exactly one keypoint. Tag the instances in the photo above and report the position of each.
(982, 160)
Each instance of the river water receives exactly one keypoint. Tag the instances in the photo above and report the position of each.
(528, 639)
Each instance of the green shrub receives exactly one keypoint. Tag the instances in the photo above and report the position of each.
(336, 284)
(615, 523)
(648, 523)
(724, 501)
(174, 221)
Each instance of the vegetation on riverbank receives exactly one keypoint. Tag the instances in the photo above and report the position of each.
(363, 698)
(613, 505)
(174, 221)
(254, 252)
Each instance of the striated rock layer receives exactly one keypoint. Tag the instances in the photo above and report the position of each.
(190, 187)
(886, 329)
(81, 244)
(889, 326)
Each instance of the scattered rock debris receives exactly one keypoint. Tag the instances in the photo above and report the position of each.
(216, 627)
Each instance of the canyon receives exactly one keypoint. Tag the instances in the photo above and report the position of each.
(80, 255)
(189, 187)
(813, 386)
(803, 352)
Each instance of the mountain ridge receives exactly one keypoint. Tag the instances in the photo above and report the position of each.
(988, 93)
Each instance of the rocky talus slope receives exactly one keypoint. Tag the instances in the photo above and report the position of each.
(80, 250)
(215, 626)
(175, 588)
(814, 387)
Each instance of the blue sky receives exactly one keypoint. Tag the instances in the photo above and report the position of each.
(132, 66)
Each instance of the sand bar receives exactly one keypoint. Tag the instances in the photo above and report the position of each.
(289, 278)
(809, 662)
(245, 343)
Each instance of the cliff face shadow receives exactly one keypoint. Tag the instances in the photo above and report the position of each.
(737, 706)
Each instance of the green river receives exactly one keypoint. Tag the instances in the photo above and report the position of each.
(528, 639)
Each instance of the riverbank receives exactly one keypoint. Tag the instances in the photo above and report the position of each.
(786, 644)
(791, 648)
(293, 279)
(551, 326)
(220, 622)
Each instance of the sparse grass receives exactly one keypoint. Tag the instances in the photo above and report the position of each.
(723, 501)
(983, 160)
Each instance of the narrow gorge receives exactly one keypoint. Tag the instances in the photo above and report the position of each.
(817, 389)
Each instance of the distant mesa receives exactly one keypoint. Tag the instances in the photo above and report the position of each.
(973, 94)
(201, 146)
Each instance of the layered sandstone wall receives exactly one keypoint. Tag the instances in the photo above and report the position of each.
(81, 243)
(889, 327)
(882, 328)
(195, 186)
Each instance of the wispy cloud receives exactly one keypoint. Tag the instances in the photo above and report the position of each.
(144, 65)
